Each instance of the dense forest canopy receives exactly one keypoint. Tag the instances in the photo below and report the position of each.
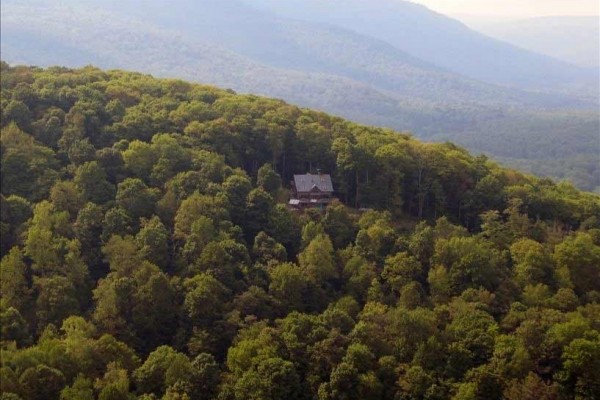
(147, 253)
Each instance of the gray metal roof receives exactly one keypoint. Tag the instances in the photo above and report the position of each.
(305, 183)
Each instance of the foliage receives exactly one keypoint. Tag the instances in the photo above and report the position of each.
(163, 264)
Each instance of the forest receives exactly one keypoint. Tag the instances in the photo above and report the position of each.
(148, 253)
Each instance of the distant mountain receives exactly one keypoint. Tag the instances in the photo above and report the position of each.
(571, 39)
(231, 44)
(438, 39)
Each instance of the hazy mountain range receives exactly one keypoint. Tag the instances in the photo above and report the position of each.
(574, 39)
(383, 62)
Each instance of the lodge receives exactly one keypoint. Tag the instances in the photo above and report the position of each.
(311, 190)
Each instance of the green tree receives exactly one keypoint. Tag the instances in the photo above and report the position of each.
(400, 270)
(268, 180)
(532, 263)
(258, 209)
(14, 286)
(153, 241)
(65, 196)
(470, 263)
(289, 285)
(205, 299)
(317, 260)
(339, 225)
(91, 180)
(28, 169)
(81, 389)
(267, 251)
(136, 198)
(42, 382)
(56, 300)
(578, 261)
(237, 188)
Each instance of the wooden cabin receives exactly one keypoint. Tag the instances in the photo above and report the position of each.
(311, 190)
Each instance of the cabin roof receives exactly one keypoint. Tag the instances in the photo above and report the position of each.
(307, 182)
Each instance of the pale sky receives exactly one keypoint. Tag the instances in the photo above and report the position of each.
(513, 8)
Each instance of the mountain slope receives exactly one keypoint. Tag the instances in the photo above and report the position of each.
(438, 39)
(571, 39)
(283, 43)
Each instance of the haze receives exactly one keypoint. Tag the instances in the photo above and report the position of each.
(513, 8)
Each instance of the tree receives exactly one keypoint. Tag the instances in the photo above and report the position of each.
(400, 270)
(258, 208)
(116, 222)
(225, 260)
(581, 360)
(353, 378)
(14, 286)
(268, 180)
(44, 245)
(310, 231)
(17, 112)
(284, 228)
(114, 385)
(266, 250)
(470, 263)
(531, 388)
(317, 260)
(90, 178)
(289, 285)
(13, 326)
(472, 334)
(206, 371)
(358, 275)
(237, 188)
(28, 169)
(532, 263)
(163, 368)
(15, 211)
(65, 196)
(205, 299)
(56, 300)
(376, 241)
(139, 158)
(88, 229)
(42, 382)
(81, 389)
(136, 198)
(153, 241)
(271, 378)
(202, 232)
(196, 206)
(578, 260)
(339, 225)
(136, 301)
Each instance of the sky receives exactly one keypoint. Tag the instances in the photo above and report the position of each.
(513, 8)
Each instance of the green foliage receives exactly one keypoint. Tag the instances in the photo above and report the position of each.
(268, 180)
(465, 280)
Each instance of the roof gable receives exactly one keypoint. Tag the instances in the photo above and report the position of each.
(307, 183)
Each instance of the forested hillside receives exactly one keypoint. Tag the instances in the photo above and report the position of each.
(147, 253)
